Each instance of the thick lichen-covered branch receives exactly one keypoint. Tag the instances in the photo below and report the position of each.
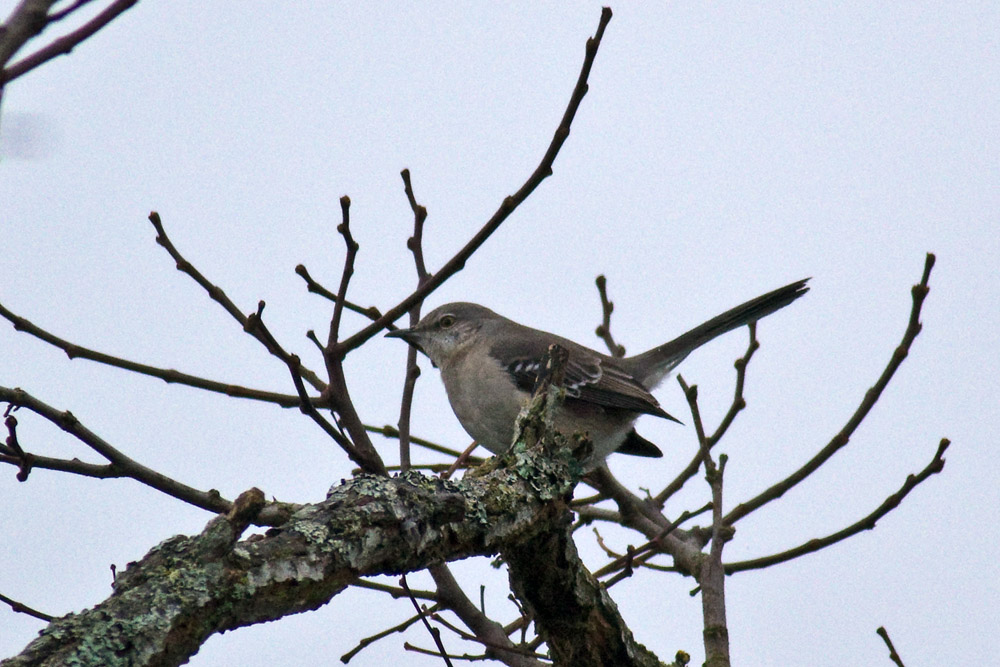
(190, 587)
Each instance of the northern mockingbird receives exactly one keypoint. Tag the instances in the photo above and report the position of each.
(489, 365)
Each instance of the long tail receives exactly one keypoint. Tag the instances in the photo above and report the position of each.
(650, 367)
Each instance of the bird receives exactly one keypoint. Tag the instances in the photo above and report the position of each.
(489, 365)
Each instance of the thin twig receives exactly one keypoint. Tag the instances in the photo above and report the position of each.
(509, 204)
(65, 44)
(368, 641)
(63, 13)
(603, 330)
(219, 296)
(935, 466)
(590, 513)
(919, 293)
(336, 392)
(306, 406)
(416, 245)
(644, 516)
(395, 591)
(12, 448)
(737, 404)
(21, 608)
(884, 634)
(392, 432)
(473, 638)
(711, 576)
(124, 466)
(434, 632)
(652, 546)
(371, 312)
(344, 228)
(461, 462)
(487, 631)
(168, 375)
(451, 656)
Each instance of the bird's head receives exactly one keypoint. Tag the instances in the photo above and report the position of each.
(446, 331)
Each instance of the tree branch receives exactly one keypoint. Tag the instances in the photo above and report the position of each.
(571, 609)
(21, 608)
(711, 576)
(919, 293)
(603, 330)
(510, 203)
(738, 404)
(65, 44)
(188, 588)
(120, 464)
(867, 523)
(220, 297)
(168, 375)
(370, 312)
(416, 245)
(489, 632)
(26, 22)
(884, 634)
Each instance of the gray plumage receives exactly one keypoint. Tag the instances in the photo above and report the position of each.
(489, 365)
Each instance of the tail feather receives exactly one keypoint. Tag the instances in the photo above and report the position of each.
(650, 367)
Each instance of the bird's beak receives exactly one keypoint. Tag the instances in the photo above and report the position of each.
(411, 336)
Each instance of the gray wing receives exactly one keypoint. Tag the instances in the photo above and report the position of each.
(589, 377)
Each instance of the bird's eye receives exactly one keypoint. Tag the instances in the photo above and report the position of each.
(446, 322)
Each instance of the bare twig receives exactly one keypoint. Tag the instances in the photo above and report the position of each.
(220, 297)
(604, 328)
(336, 394)
(360, 451)
(344, 228)
(434, 632)
(509, 204)
(652, 546)
(461, 462)
(487, 631)
(473, 638)
(123, 466)
(451, 656)
(884, 634)
(371, 312)
(392, 432)
(368, 641)
(738, 403)
(416, 246)
(645, 517)
(395, 591)
(919, 293)
(26, 22)
(588, 500)
(307, 408)
(74, 466)
(13, 449)
(935, 466)
(168, 375)
(712, 577)
(65, 44)
(63, 13)
(21, 608)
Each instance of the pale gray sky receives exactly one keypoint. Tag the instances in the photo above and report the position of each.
(722, 151)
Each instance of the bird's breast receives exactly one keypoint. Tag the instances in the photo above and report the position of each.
(484, 399)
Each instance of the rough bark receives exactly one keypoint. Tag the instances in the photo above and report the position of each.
(571, 609)
(190, 587)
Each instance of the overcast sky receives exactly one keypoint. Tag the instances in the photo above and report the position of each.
(722, 151)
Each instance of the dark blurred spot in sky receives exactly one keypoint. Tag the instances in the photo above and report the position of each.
(27, 136)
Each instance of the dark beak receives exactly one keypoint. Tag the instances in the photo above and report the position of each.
(405, 334)
(409, 335)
